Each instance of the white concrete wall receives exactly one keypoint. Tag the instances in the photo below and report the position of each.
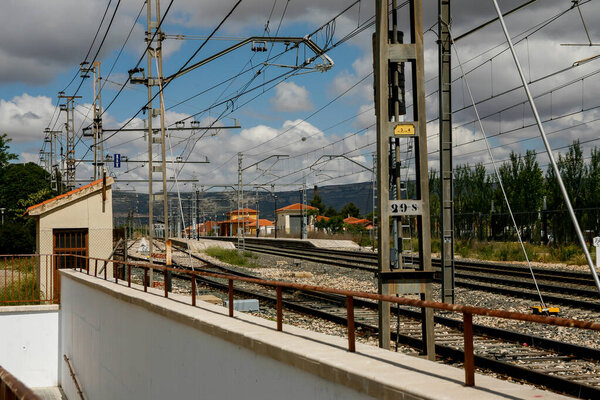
(29, 344)
(124, 351)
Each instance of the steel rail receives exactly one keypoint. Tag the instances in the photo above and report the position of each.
(553, 382)
(351, 295)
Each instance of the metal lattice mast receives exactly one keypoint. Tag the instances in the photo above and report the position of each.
(70, 140)
(240, 204)
(445, 144)
(51, 164)
(304, 211)
(97, 124)
(389, 56)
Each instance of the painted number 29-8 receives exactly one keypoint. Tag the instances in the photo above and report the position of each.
(405, 207)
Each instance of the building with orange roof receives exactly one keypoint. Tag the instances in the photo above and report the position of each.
(359, 222)
(79, 222)
(238, 220)
(289, 218)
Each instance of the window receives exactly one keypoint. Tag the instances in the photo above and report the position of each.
(68, 242)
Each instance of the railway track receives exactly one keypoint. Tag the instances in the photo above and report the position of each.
(559, 287)
(563, 367)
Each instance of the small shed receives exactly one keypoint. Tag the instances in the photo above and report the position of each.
(289, 218)
(78, 222)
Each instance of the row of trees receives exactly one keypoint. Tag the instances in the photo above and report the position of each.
(534, 197)
(21, 185)
(335, 222)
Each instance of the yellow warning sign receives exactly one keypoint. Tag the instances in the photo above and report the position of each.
(404, 129)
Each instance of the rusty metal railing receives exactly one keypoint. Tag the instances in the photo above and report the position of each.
(13, 389)
(29, 279)
(466, 311)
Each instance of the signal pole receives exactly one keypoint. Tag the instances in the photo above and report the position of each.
(52, 165)
(96, 132)
(389, 57)
(97, 126)
(70, 133)
(154, 38)
(446, 172)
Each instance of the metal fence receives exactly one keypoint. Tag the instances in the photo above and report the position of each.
(29, 285)
(123, 271)
(13, 389)
(29, 279)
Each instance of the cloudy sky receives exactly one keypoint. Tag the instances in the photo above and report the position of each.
(302, 113)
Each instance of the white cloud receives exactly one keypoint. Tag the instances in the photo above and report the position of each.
(24, 117)
(366, 116)
(290, 97)
(344, 80)
(57, 36)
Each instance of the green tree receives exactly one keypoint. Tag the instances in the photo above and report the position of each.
(335, 224)
(18, 182)
(5, 155)
(21, 185)
(350, 210)
(318, 202)
(523, 182)
(573, 172)
(330, 212)
(592, 192)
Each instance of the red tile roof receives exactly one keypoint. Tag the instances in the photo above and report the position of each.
(322, 218)
(297, 206)
(242, 210)
(64, 195)
(353, 220)
(261, 222)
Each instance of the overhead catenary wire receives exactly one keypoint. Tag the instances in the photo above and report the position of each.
(549, 150)
(77, 72)
(498, 176)
(101, 44)
(180, 69)
(336, 44)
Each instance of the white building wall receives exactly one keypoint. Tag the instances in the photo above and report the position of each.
(85, 212)
(121, 350)
(29, 344)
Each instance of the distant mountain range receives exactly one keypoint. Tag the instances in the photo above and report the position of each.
(214, 204)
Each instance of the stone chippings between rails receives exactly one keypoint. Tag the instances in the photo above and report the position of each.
(287, 269)
(281, 268)
(278, 268)
(344, 278)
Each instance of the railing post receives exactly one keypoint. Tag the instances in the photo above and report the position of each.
(231, 297)
(105, 270)
(96, 267)
(468, 349)
(145, 279)
(350, 317)
(279, 309)
(129, 275)
(116, 271)
(194, 290)
(87, 265)
(166, 279)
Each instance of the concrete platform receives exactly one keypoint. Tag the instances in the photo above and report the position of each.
(202, 244)
(369, 373)
(50, 393)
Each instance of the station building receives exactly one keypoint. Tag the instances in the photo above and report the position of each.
(78, 222)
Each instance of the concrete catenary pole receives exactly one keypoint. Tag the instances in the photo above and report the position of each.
(445, 149)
